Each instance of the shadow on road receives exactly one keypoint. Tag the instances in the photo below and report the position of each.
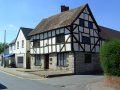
(96, 73)
(2, 87)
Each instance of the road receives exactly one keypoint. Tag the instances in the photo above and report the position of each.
(75, 82)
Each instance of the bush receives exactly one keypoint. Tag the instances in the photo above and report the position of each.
(110, 58)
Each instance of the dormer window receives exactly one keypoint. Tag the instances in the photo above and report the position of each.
(60, 38)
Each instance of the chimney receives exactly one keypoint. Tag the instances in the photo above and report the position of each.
(64, 8)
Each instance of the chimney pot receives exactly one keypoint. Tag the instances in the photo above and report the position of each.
(64, 8)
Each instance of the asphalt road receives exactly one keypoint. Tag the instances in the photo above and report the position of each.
(75, 82)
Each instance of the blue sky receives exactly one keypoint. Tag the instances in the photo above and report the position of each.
(28, 13)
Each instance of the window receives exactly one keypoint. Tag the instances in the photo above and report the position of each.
(36, 44)
(82, 22)
(60, 38)
(22, 43)
(20, 59)
(85, 40)
(88, 58)
(90, 25)
(37, 60)
(17, 44)
(61, 59)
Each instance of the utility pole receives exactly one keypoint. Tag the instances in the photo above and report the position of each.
(4, 48)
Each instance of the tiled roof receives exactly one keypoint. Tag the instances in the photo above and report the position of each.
(109, 34)
(26, 31)
(12, 42)
(57, 21)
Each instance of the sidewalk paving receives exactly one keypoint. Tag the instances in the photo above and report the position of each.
(34, 73)
(25, 75)
(45, 74)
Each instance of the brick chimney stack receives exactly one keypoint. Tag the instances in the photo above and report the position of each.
(64, 8)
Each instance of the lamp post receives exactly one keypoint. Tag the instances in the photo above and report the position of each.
(4, 48)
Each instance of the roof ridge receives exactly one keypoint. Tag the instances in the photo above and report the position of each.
(109, 28)
(25, 28)
(59, 20)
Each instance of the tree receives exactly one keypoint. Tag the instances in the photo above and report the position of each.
(110, 58)
(110, 62)
(2, 47)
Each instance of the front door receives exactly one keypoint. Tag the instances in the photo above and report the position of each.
(46, 61)
(28, 62)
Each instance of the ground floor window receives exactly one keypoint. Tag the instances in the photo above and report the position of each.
(37, 60)
(88, 58)
(62, 59)
(20, 59)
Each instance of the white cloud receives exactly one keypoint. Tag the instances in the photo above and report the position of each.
(11, 26)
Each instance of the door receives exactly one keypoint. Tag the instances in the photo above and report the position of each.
(46, 61)
(28, 62)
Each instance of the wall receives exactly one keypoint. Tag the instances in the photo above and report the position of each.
(82, 67)
(53, 63)
(33, 66)
(48, 43)
(87, 31)
(12, 48)
(21, 51)
(20, 65)
(70, 62)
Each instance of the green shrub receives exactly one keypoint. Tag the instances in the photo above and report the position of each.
(110, 58)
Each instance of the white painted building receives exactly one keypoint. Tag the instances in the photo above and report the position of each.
(20, 47)
(12, 47)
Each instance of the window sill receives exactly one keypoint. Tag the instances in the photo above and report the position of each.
(38, 65)
(62, 65)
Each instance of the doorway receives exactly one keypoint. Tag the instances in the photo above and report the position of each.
(46, 61)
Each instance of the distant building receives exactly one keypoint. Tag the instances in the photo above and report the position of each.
(4, 59)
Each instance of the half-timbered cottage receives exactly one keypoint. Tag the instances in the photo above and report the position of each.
(66, 41)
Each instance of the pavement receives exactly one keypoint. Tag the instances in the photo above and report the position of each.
(46, 73)
(24, 75)
(73, 82)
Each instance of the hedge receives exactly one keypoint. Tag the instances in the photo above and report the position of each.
(110, 58)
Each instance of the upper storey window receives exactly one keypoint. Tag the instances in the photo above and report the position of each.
(60, 38)
(36, 44)
(90, 25)
(22, 43)
(82, 22)
(85, 40)
(17, 44)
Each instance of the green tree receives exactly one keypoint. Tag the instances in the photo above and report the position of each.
(110, 58)
(2, 46)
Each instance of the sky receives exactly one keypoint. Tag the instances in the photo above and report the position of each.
(28, 13)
